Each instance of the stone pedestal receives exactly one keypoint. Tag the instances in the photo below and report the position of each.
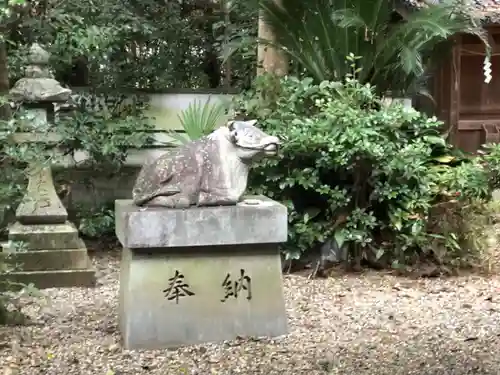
(203, 274)
(55, 256)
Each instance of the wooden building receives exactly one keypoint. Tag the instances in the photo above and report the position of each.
(469, 106)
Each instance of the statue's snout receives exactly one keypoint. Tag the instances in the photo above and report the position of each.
(276, 140)
(272, 144)
(272, 140)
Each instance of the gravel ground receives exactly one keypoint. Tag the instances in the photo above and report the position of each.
(367, 324)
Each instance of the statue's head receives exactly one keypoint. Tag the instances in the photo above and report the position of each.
(249, 141)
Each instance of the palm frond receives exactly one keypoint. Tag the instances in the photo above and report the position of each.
(199, 119)
(402, 48)
(317, 35)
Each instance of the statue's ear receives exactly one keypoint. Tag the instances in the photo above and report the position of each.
(251, 122)
(232, 131)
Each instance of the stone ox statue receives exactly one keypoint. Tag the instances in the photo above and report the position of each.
(211, 171)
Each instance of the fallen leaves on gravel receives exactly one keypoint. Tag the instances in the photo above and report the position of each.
(365, 324)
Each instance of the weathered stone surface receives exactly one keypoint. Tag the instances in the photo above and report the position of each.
(38, 56)
(54, 279)
(36, 122)
(50, 268)
(155, 227)
(46, 237)
(49, 260)
(38, 85)
(48, 137)
(152, 317)
(41, 204)
(39, 90)
(203, 274)
(496, 194)
(211, 171)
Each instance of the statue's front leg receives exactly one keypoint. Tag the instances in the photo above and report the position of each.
(172, 201)
(181, 194)
(216, 199)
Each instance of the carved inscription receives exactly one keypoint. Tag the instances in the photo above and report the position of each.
(233, 288)
(177, 288)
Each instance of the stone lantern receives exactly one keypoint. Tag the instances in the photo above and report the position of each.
(55, 256)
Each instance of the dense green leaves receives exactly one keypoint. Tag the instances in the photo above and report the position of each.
(106, 130)
(371, 177)
(122, 44)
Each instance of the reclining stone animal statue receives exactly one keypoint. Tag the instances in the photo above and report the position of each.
(210, 171)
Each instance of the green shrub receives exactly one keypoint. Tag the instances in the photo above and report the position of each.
(372, 177)
(106, 127)
(96, 222)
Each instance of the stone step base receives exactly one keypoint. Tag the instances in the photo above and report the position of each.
(53, 279)
(46, 237)
(48, 260)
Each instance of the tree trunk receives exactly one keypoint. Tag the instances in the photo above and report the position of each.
(269, 59)
(5, 111)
